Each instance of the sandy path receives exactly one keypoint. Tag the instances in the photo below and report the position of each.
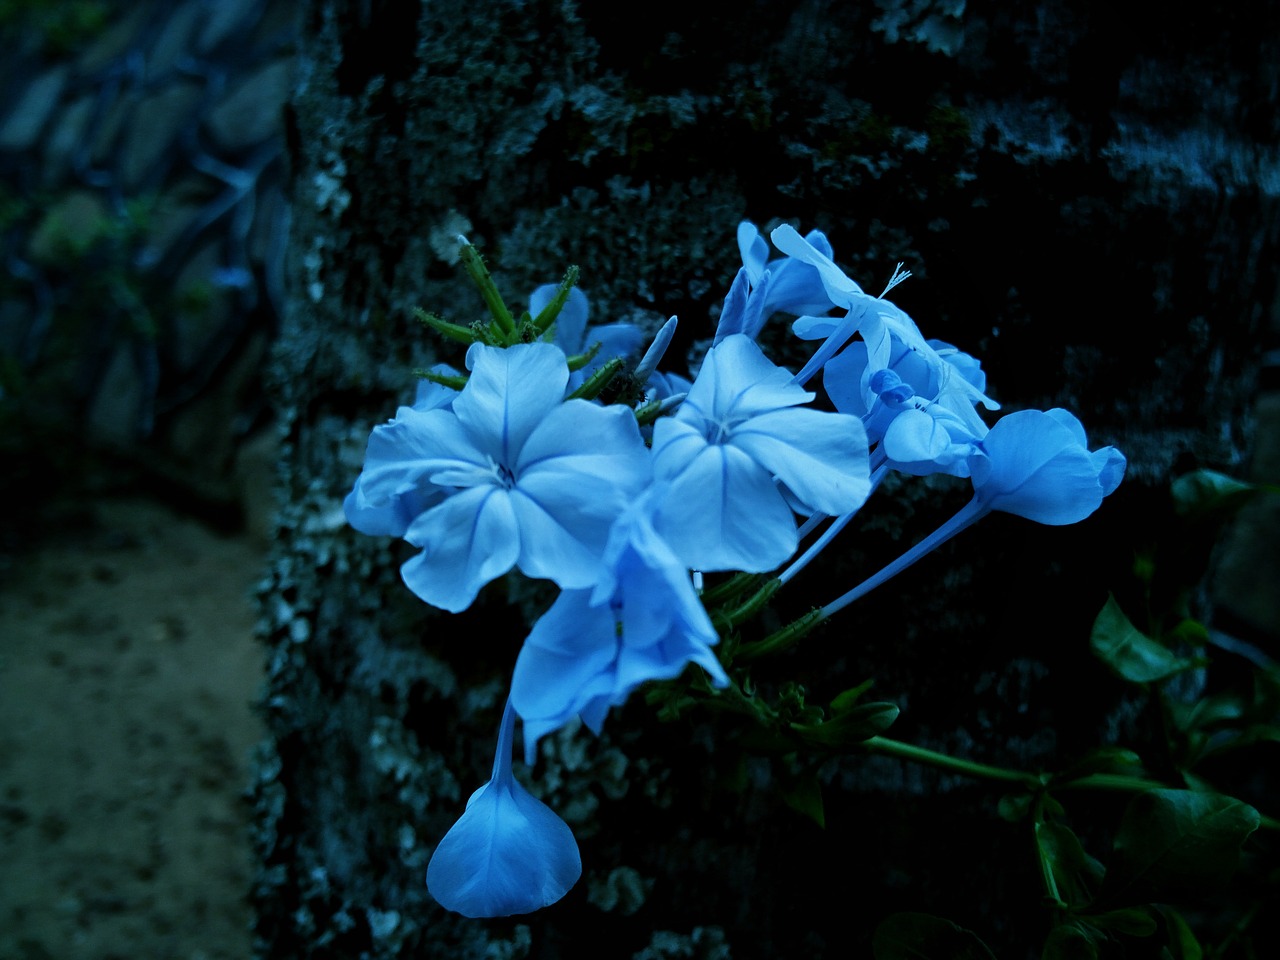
(127, 668)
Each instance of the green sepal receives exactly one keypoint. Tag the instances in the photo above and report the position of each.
(453, 331)
(479, 274)
(850, 728)
(580, 360)
(649, 412)
(738, 584)
(846, 701)
(594, 384)
(1129, 652)
(456, 382)
(780, 640)
(754, 604)
(548, 314)
(920, 936)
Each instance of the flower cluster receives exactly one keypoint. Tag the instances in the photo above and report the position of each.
(516, 464)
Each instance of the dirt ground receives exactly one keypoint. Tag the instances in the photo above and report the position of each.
(127, 672)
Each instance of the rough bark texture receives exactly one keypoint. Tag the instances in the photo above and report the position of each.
(1087, 202)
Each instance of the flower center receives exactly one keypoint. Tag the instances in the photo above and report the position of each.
(501, 474)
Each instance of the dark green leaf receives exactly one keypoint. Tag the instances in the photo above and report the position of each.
(1109, 759)
(1131, 921)
(1183, 944)
(851, 727)
(1175, 843)
(1207, 494)
(1131, 654)
(920, 936)
(1075, 872)
(804, 795)
(1070, 941)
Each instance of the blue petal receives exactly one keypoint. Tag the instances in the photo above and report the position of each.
(1035, 467)
(820, 456)
(564, 665)
(469, 539)
(508, 394)
(733, 312)
(722, 510)
(396, 484)
(737, 381)
(754, 250)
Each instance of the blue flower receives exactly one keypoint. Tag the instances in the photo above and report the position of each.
(764, 287)
(508, 853)
(519, 477)
(737, 433)
(642, 621)
(914, 406)
(1037, 464)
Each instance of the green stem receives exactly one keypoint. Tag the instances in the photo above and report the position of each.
(968, 768)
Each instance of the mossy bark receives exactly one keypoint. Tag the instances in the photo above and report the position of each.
(1085, 207)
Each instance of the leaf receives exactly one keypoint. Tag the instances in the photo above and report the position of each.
(804, 795)
(1131, 654)
(1109, 759)
(1131, 921)
(1175, 843)
(1207, 494)
(1070, 941)
(1183, 944)
(920, 936)
(1075, 872)
(851, 727)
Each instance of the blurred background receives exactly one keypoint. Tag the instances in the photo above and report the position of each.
(143, 226)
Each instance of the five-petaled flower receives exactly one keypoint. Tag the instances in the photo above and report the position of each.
(738, 453)
(528, 479)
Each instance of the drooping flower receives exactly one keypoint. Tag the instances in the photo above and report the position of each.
(642, 621)
(1037, 464)
(736, 433)
(509, 853)
(529, 480)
